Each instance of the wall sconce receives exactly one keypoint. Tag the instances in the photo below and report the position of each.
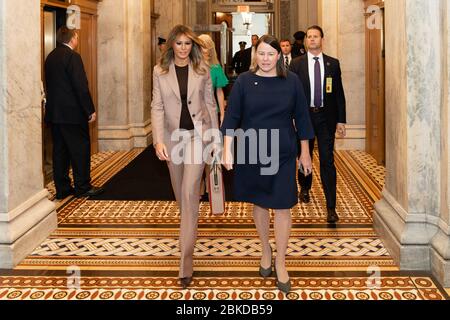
(246, 17)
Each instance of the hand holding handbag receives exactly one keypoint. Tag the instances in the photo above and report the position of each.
(216, 189)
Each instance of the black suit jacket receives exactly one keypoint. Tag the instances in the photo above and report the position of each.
(334, 102)
(297, 51)
(68, 97)
(246, 59)
(238, 62)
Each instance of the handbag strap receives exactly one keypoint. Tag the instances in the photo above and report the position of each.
(216, 170)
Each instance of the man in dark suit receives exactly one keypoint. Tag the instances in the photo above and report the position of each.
(238, 58)
(320, 76)
(161, 44)
(286, 50)
(249, 54)
(69, 110)
(298, 48)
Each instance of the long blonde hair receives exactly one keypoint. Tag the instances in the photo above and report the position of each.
(195, 55)
(209, 45)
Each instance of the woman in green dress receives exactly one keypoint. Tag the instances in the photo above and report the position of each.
(218, 77)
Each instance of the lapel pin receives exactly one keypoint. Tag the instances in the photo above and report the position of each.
(256, 83)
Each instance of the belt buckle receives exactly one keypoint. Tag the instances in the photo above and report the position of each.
(315, 109)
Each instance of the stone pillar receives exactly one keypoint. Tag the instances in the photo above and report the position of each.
(408, 216)
(27, 217)
(124, 73)
(440, 245)
(343, 23)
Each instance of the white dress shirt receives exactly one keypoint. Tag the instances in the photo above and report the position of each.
(67, 45)
(311, 63)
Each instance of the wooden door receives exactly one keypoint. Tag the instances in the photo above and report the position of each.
(87, 48)
(375, 84)
(48, 30)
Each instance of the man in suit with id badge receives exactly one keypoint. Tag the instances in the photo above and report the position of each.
(320, 76)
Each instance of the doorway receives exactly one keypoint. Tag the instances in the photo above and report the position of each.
(54, 16)
(375, 81)
(239, 29)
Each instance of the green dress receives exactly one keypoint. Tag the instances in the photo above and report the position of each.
(219, 79)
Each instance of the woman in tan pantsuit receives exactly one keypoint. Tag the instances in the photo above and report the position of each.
(183, 105)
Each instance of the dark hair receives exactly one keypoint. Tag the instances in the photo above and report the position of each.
(196, 55)
(316, 28)
(64, 35)
(274, 43)
(285, 40)
(299, 35)
(161, 41)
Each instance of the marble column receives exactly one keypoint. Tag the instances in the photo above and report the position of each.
(411, 211)
(27, 217)
(344, 27)
(440, 244)
(124, 73)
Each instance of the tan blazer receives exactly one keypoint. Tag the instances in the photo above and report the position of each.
(166, 103)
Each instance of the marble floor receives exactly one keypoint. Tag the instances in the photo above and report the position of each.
(128, 250)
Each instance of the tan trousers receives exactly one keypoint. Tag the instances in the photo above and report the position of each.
(186, 178)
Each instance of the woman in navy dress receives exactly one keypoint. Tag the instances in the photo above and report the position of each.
(267, 101)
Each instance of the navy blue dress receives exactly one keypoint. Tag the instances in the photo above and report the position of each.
(268, 105)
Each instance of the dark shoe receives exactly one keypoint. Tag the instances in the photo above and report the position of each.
(332, 216)
(65, 195)
(185, 282)
(94, 191)
(204, 197)
(266, 272)
(304, 196)
(283, 286)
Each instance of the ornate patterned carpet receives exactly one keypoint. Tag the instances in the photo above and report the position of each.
(125, 250)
